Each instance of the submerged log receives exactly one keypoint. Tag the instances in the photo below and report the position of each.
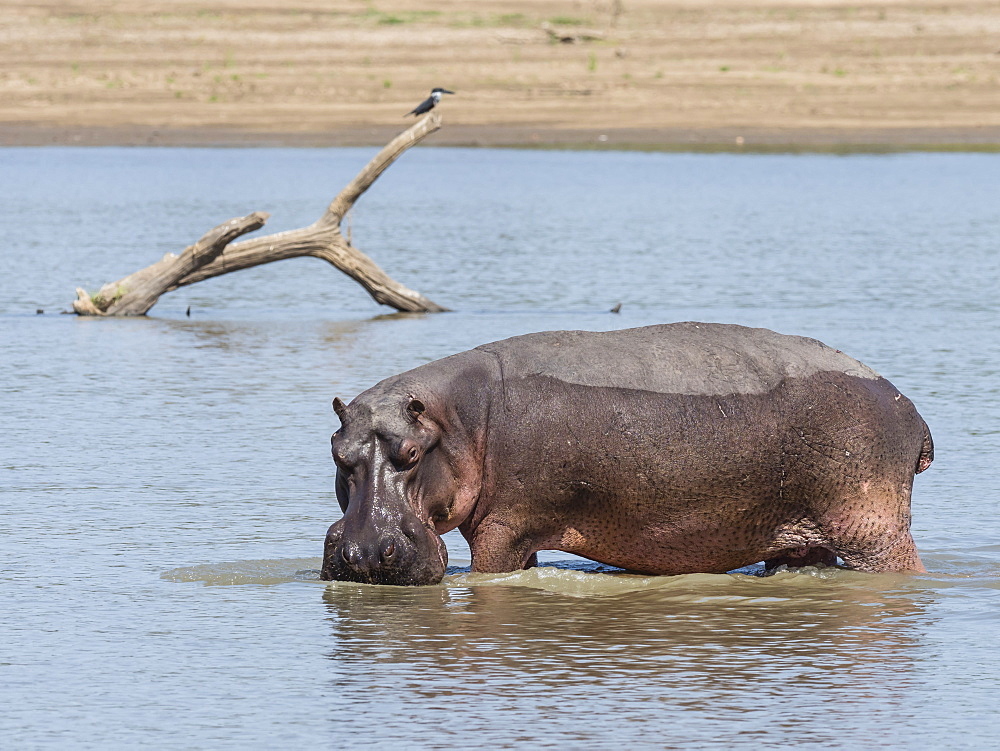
(213, 255)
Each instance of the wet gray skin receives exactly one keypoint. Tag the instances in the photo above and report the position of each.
(382, 539)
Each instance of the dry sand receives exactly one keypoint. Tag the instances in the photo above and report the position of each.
(670, 74)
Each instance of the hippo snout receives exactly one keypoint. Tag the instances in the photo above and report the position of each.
(366, 557)
(387, 558)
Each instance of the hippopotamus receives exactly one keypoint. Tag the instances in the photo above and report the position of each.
(668, 449)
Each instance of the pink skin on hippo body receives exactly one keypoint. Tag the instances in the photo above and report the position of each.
(667, 449)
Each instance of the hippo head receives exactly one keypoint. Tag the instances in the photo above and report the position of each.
(401, 482)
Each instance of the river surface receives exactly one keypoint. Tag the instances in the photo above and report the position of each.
(166, 482)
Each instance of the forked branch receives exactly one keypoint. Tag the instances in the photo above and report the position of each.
(213, 255)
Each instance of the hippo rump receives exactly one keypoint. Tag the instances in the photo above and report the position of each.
(671, 449)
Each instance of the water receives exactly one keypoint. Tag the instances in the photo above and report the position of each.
(166, 483)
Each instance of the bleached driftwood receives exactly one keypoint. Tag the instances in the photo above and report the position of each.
(213, 255)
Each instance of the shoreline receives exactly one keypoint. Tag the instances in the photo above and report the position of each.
(661, 75)
(724, 139)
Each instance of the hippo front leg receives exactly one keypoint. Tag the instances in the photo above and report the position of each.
(498, 548)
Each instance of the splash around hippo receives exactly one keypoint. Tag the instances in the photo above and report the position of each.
(671, 449)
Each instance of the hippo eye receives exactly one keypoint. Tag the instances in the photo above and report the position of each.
(406, 455)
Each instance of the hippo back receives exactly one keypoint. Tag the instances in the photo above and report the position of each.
(677, 358)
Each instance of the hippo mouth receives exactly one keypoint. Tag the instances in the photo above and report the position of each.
(413, 555)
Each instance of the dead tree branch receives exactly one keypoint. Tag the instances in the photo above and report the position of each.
(213, 255)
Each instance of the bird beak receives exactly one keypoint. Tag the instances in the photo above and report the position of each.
(445, 91)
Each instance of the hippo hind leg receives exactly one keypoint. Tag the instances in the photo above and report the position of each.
(871, 532)
(899, 555)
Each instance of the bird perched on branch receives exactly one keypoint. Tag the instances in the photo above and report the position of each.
(429, 103)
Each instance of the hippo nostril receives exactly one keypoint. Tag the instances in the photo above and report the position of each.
(388, 551)
(349, 555)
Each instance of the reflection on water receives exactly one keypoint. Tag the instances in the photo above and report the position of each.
(706, 656)
(697, 655)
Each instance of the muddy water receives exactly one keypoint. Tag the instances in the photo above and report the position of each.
(166, 483)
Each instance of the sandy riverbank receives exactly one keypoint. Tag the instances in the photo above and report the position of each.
(822, 74)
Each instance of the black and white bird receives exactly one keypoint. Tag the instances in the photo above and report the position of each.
(429, 103)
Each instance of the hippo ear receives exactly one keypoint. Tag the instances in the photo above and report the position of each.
(415, 408)
(339, 407)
